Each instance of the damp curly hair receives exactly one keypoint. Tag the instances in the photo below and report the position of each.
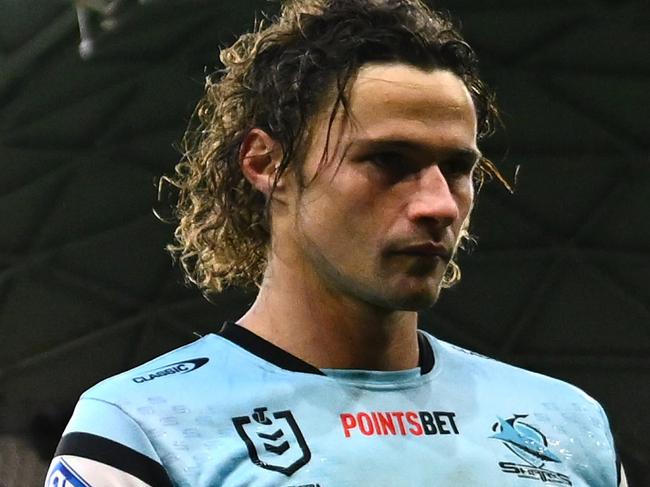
(277, 78)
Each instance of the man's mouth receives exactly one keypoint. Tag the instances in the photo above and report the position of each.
(427, 249)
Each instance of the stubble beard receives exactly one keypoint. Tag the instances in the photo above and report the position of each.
(375, 291)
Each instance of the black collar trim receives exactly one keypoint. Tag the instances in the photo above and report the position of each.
(257, 345)
(427, 359)
(271, 353)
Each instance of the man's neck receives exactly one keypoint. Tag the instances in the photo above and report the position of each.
(327, 329)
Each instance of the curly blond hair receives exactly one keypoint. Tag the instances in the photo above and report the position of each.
(275, 78)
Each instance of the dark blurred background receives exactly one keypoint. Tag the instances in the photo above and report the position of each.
(557, 284)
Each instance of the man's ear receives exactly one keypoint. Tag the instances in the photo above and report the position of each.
(259, 157)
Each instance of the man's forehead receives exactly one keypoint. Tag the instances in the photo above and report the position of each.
(403, 74)
(401, 84)
(386, 99)
(393, 83)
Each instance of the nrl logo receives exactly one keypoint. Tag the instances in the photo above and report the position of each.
(273, 440)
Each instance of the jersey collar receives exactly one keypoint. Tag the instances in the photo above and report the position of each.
(257, 345)
(271, 353)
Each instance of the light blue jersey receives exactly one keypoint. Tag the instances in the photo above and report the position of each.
(233, 410)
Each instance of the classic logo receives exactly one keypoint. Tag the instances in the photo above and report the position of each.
(529, 444)
(176, 368)
(62, 475)
(273, 440)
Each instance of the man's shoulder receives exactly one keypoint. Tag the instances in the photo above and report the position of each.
(178, 370)
(494, 373)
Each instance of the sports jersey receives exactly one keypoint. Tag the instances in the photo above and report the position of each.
(233, 410)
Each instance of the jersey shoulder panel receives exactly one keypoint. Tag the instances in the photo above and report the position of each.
(177, 373)
(120, 445)
(496, 372)
(115, 424)
(102, 445)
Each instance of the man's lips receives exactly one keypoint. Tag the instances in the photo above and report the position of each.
(426, 249)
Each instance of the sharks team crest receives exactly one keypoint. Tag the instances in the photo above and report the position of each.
(530, 445)
(274, 440)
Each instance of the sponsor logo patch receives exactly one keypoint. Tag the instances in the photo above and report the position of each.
(273, 440)
(62, 475)
(405, 423)
(530, 445)
(176, 368)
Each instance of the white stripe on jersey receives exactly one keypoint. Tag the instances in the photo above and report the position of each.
(73, 471)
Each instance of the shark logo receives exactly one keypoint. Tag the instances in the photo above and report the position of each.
(524, 440)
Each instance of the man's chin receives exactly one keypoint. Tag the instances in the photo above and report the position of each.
(417, 302)
(412, 299)
(415, 294)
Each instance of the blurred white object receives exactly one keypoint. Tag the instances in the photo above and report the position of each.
(97, 17)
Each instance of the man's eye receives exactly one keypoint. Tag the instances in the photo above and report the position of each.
(393, 165)
(387, 159)
(458, 167)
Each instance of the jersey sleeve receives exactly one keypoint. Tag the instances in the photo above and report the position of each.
(621, 480)
(104, 447)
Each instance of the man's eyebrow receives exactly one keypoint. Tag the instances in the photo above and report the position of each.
(469, 153)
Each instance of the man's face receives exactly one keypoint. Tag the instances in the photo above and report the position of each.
(380, 218)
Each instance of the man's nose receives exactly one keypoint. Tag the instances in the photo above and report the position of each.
(433, 198)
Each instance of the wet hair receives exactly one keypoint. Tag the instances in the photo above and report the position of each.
(277, 78)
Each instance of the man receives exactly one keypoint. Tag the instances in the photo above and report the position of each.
(335, 165)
